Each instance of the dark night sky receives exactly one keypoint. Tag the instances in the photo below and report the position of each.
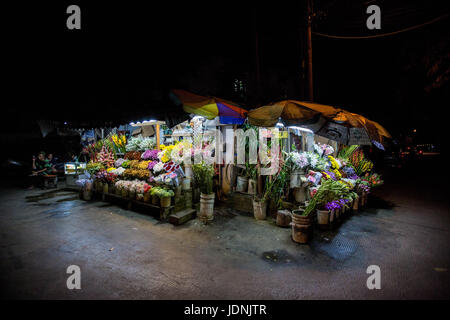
(127, 56)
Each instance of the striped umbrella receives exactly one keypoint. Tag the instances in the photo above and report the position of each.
(210, 107)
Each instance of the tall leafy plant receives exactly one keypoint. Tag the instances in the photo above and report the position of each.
(203, 177)
(329, 190)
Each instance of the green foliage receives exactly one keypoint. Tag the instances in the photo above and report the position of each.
(251, 171)
(329, 190)
(346, 152)
(94, 167)
(275, 188)
(203, 177)
(161, 192)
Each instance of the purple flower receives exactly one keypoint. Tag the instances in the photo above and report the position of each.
(349, 171)
(151, 165)
(332, 175)
(333, 205)
(150, 154)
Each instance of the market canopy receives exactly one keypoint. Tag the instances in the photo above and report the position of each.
(291, 111)
(327, 121)
(211, 107)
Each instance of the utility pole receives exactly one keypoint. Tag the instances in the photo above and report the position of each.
(256, 47)
(309, 46)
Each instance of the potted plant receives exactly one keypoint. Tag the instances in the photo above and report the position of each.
(203, 176)
(154, 195)
(86, 188)
(251, 172)
(242, 183)
(147, 194)
(328, 191)
(301, 226)
(260, 202)
(165, 196)
(110, 180)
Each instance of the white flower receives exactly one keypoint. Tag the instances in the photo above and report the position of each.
(158, 167)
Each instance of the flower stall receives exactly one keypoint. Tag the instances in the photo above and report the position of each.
(317, 181)
(139, 171)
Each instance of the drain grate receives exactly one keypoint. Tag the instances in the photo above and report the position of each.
(340, 248)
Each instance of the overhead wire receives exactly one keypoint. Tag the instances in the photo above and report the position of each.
(383, 34)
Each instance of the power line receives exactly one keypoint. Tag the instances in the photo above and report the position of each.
(383, 34)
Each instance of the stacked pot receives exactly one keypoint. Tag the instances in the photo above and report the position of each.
(301, 226)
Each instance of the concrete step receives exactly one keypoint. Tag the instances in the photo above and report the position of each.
(182, 216)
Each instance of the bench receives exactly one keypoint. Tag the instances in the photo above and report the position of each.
(53, 178)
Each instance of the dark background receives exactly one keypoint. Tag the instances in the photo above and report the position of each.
(121, 65)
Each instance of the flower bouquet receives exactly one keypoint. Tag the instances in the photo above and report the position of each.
(150, 154)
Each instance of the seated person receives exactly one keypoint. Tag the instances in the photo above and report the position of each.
(40, 169)
(52, 162)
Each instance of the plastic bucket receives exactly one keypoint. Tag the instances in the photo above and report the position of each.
(259, 210)
(206, 207)
(242, 184)
(323, 217)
